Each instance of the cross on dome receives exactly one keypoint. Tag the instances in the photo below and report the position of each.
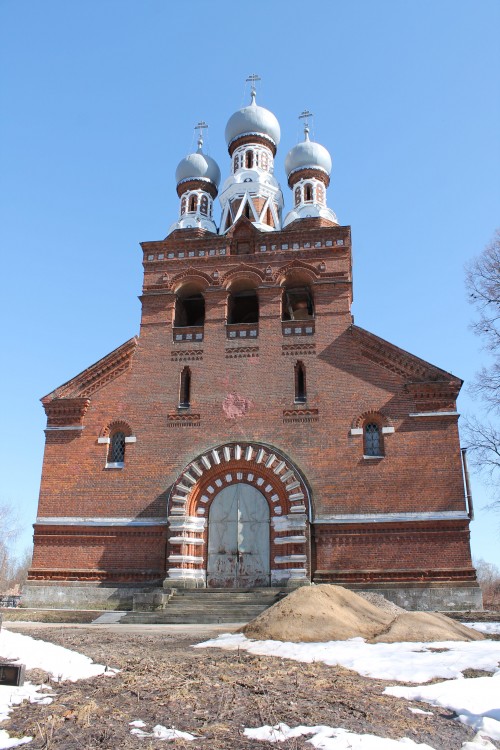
(253, 78)
(200, 126)
(305, 115)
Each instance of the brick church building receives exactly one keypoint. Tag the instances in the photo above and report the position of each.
(252, 435)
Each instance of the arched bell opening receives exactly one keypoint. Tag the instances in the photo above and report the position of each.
(218, 511)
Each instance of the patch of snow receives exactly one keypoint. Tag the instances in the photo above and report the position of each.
(476, 701)
(138, 723)
(419, 711)
(161, 733)
(61, 663)
(490, 628)
(7, 742)
(405, 662)
(329, 738)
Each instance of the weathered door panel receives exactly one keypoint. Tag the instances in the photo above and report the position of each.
(238, 538)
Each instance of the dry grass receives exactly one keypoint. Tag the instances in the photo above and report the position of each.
(212, 694)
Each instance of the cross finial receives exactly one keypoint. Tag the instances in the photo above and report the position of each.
(305, 115)
(200, 127)
(253, 78)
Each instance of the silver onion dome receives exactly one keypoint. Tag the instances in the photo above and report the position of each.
(198, 166)
(308, 154)
(253, 120)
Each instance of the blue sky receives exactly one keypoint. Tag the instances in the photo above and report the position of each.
(99, 99)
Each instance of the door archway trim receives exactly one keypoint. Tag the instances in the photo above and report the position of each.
(257, 464)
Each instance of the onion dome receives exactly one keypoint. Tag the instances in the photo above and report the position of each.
(308, 155)
(198, 166)
(253, 120)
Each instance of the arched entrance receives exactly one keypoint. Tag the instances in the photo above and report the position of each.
(238, 538)
(214, 534)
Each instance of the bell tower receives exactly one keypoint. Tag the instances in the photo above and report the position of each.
(252, 136)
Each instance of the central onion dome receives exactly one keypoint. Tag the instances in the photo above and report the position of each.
(253, 120)
(198, 166)
(308, 155)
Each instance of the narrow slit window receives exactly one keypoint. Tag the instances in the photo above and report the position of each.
(300, 383)
(185, 388)
(116, 454)
(193, 201)
(373, 442)
(249, 159)
(308, 193)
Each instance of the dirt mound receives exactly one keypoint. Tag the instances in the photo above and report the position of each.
(333, 613)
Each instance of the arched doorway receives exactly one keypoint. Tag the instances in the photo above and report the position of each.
(238, 538)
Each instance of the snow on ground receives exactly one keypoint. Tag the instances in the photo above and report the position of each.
(60, 662)
(490, 628)
(328, 738)
(405, 662)
(476, 701)
(159, 732)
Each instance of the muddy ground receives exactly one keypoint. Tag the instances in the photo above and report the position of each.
(210, 693)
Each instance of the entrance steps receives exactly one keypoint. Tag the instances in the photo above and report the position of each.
(205, 606)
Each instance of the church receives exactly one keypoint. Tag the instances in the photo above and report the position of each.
(252, 435)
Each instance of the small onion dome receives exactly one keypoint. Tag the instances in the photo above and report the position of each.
(198, 166)
(253, 120)
(308, 154)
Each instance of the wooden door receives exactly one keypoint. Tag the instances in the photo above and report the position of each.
(238, 538)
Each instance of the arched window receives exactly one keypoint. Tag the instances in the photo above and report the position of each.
(297, 303)
(249, 159)
(320, 193)
(372, 440)
(189, 308)
(297, 196)
(204, 205)
(183, 205)
(235, 163)
(185, 389)
(116, 452)
(308, 193)
(247, 212)
(193, 202)
(300, 383)
(243, 307)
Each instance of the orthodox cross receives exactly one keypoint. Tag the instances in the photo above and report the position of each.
(305, 115)
(253, 78)
(200, 126)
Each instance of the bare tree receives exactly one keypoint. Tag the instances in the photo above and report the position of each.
(10, 530)
(488, 576)
(483, 284)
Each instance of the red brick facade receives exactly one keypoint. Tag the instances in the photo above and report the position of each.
(400, 519)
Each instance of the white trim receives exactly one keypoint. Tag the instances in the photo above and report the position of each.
(97, 521)
(435, 414)
(67, 427)
(387, 430)
(185, 559)
(444, 515)
(131, 439)
(290, 540)
(356, 430)
(103, 440)
(115, 465)
(371, 458)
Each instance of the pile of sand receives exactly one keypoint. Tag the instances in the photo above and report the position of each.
(333, 613)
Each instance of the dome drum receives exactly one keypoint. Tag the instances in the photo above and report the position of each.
(251, 138)
(305, 173)
(199, 183)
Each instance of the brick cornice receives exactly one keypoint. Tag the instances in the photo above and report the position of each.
(417, 372)
(90, 380)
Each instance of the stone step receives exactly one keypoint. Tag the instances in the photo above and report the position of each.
(209, 606)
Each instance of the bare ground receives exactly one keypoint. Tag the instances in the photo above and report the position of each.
(211, 693)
